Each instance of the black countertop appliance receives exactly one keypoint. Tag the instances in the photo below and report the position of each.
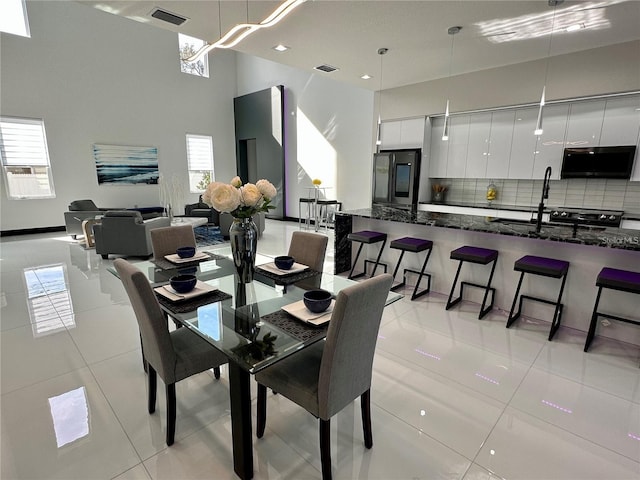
(396, 178)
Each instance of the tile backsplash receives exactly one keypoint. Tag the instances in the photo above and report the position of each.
(586, 193)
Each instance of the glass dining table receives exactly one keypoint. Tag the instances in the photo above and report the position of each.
(246, 322)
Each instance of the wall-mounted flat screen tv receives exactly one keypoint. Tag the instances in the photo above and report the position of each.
(598, 162)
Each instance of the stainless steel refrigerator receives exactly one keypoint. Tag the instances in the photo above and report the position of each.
(396, 178)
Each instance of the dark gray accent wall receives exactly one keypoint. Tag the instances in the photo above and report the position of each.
(259, 124)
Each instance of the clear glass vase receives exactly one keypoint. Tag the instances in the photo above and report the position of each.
(243, 236)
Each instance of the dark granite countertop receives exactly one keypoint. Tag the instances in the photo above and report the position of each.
(585, 235)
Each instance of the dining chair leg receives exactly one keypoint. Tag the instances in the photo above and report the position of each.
(216, 373)
(365, 406)
(171, 413)
(153, 381)
(325, 448)
(261, 410)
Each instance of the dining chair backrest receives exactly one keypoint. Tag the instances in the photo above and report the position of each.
(152, 322)
(166, 240)
(308, 249)
(347, 358)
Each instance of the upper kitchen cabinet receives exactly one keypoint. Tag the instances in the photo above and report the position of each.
(550, 145)
(456, 160)
(621, 124)
(523, 143)
(502, 124)
(585, 124)
(397, 134)
(438, 150)
(478, 148)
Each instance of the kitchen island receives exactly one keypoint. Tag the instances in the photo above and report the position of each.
(588, 249)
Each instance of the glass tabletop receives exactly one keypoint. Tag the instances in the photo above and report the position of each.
(246, 321)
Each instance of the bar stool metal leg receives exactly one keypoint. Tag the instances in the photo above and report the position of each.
(557, 314)
(594, 321)
(512, 318)
(483, 310)
(355, 262)
(451, 303)
(415, 293)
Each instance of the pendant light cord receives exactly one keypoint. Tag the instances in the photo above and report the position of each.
(553, 26)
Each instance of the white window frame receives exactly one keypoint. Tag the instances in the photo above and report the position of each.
(25, 159)
(199, 160)
(188, 46)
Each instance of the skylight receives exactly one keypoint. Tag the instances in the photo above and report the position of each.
(13, 18)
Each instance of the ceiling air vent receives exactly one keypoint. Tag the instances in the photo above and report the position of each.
(169, 17)
(325, 68)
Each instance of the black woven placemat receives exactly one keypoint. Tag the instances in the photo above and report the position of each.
(165, 264)
(287, 279)
(296, 328)
(192, 304)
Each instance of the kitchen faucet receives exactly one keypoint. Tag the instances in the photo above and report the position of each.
(545, 194)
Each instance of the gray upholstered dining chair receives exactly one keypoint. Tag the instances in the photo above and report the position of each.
(173, 355)
(327, 376)
(308, 249)
(166, 240)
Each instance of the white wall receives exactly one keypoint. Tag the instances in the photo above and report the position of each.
(591, 72)
(327, 129)
(98, 78)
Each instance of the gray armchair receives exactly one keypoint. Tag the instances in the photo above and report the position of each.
(327, 376)
(201, 209)
(80, 210)
(124, 232)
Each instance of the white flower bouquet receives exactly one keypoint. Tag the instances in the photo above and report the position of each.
(241, 201)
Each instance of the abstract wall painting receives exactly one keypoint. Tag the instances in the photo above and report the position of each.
(124, 165)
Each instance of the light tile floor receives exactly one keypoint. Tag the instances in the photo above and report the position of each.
(453, 397)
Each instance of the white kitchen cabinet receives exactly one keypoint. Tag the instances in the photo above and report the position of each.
(390, 135)
(550, 145)
(412, 133)
(585, 124)
(523, 143)
(408, 133)
(500, 144)
(479, 131)
(458, 146)
(438, 150)
(621, 124)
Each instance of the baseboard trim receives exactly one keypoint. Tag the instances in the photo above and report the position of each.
(31, 231)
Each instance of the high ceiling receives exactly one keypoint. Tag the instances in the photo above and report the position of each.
(347, 34)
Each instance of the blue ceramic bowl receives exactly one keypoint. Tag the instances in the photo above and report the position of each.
(317, 300)
(183, 283)
(186, 252)
(284, 262)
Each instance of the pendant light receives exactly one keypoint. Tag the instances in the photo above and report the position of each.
(381, 52)
(239, 32)
(445, 132)
(538, 131)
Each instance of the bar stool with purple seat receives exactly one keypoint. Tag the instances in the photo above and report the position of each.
(481, 256)
(614, 279)
(367, 237)
(547, 267)
(417, 245)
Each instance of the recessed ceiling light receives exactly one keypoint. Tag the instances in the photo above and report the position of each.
(573, 28)
(366, 77)
(281, 48)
